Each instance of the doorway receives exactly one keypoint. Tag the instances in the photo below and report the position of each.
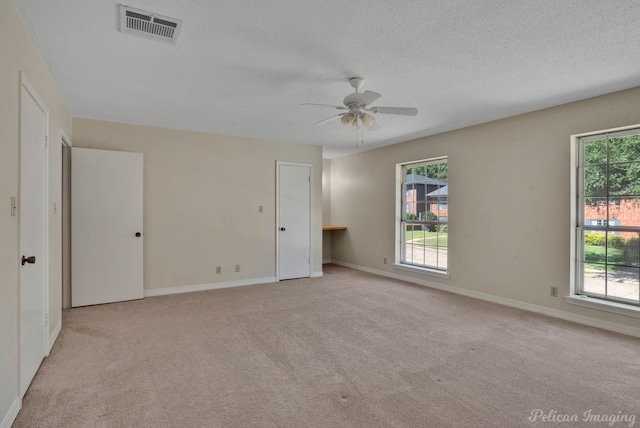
(293, 188)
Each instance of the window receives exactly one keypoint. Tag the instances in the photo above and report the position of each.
(423, 225)
(607, 190)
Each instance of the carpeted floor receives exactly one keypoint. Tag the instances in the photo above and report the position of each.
(347, 350)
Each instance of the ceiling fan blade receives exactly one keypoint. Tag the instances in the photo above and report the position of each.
(325, 105)
(367, 97)
(404, 111)
(329, 119)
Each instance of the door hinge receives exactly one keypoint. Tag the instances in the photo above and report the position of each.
(46, 320)
(309, 179)
(46, 141)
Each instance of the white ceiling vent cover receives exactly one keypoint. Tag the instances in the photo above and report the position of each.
(149, 25)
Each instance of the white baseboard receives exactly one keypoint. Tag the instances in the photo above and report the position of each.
(54, 336)
(204, 287)
(324, 262)
(317, 274)
(567, 316)
(11, 415)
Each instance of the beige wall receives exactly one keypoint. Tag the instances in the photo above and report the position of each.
(509, 201)
(201, 198)
(18, 53)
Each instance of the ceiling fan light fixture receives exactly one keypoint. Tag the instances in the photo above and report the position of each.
(367, 119)
(348, 120)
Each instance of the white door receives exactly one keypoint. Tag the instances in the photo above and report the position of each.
(106, 226)
(294, 224)
(33, 233)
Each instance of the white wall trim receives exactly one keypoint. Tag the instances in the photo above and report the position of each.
(422, 271)
(326, 261)
(11, 415)
(567, 316)
(66, 141)
(317, 274)
(603, 305)
(54, 336)
(205, 287)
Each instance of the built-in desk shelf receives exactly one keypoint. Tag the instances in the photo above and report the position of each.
(334, 227)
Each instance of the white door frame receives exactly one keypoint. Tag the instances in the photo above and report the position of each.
(287, 163)
(66, 144)
(24, 83)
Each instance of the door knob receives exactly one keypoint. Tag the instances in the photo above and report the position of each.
(30, 259)
(283, 229)
(138, 234)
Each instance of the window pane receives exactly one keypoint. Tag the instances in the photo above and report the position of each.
(624, 212)
(623, 149)
(414, 251)
(442, 258)
(595, 211)
(624, 179)
(595, 180)
(623, 283)
(594, 279)
(443, 172)
(631, 250)
(623, 248)
(615, 248)
(595, 152)
(594, 250)
(409, 232)
(403, 241)
(411, 210)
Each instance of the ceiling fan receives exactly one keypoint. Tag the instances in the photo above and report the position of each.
(357, 106)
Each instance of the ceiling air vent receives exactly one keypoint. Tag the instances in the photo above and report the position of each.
(149, 25)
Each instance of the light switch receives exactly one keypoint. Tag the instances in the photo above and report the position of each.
(260, 209)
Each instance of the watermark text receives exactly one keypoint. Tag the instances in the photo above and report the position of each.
(587, 416)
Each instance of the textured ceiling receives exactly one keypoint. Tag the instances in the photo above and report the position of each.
(243, 67)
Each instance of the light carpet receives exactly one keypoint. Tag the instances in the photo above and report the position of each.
(350, 349)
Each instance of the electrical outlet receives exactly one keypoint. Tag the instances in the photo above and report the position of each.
(218, 269)
(260, 209)
(237, 268)
(385, 261)
(554, 291)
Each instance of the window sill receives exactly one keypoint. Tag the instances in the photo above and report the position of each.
(425, 271)
(603, 305)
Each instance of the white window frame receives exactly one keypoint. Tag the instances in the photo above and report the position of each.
(576, 248)
(401, 209)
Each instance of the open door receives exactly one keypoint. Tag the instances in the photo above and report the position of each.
(106, 226)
